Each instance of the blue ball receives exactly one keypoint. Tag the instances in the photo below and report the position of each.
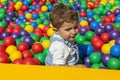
(90, 49)
(117, 19)
(90, 14)
(115, 51)
(34, 24)
(50, 7)
(94, 25)
(35, 16)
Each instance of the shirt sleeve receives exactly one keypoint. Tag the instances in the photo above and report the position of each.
(59, 53)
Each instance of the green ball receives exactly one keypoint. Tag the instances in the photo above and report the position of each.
(39, 21)
(2, 16)
(32, 52)
(95, 57)
(15, 1)
(117, 2)
(48, 3)
(23, 25)
(101, 6)
(43, 38)
(46, 22)
(45, 51)
(42, 16)
(3, 24)
(86, 42)
(89, 35)
(97, 11)
(34, 37)
(1, 42)
(41, 57)
(79, 38)
(117, 25)
(83, 6)
(2, 10)
(17, 41)
(22, 38)
(5, 3)
(96, 66)
(113, 63)
(109, 5)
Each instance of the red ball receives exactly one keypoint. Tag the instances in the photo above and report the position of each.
(98, 44)
(34, 3)
(82, 14)
(107, 20)
(37, 48)
(8, 41)
(41, 3)
(44, 1)
(20, 12)
(37, 61)
(1, 6)
(105, 37)
(29, 61)
(2, 50)
(53, 1)
(88, 0)
(4, 59)
(112, 16)
(40, 34)
(18, 61)
(95, 38)
(22, 46)
(24, 7)
(90, 6)
(1, 29)
(27, 54)
(46, 28)
(9, 30)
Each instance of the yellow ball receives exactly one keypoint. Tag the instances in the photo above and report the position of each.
(112, 42)
(106, 49)
(44, 8)
(46, 43)
(41, 26)
(51, 25)
(28, 15)
(3, 0)
(29, 28)
(104, 2)
(10, 49)
(84, 23)
(70, 0)
(18, 6)
(50, 32)
(90, 3)
(15, 55)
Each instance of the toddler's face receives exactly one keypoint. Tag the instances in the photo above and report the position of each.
(68, 30)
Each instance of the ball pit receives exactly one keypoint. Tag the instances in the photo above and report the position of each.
(25, 31)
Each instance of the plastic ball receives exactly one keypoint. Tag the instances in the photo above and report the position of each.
(41, 57)
(18, 61)
(99, 31)
(4, 35)
(15, 55)
(90, 19)
(105, 58)
(87, 62)
(95, 57)
(28, 15)
(83, 30)
(4, 59)
(22, 46)
(46, 44)
(106, 48)
(117, 41)
(10, 49)
(23, 33)
(15, 35)
(94, 25)
(37, 48)
(44, 8)
(50, 32)
(8, 41)
(43, 38)
(108, 27)
(96, 65)
(27, 54)
(90, 13)
(29, 28)
(117, 11)
(98, 44)
(29, 61)
(112, 42)
(113, 63)
(89, 35)
(114, 34)
(117, 19)
(79, 39)
(28, 40)
(83, 23)
(115, 50)
(90, 49)
(46, 51)
(105, 37)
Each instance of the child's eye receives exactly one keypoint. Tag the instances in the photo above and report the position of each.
(76, 27)
(68, 29)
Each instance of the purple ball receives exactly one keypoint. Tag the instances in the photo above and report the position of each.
(8, 18)
(24, 33)
(82, 9)
(4, 34)
(24, 20)
(87, 62)
(15, 35)
(108, 13)
(83, 30)
(99, 31)
(28, 40)
(101, 23)
(90, 19)
(77, 5)
(10, 13)
(114, 34)
(117, 11)
(117, 41)
(108, 27)
(105, 58)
